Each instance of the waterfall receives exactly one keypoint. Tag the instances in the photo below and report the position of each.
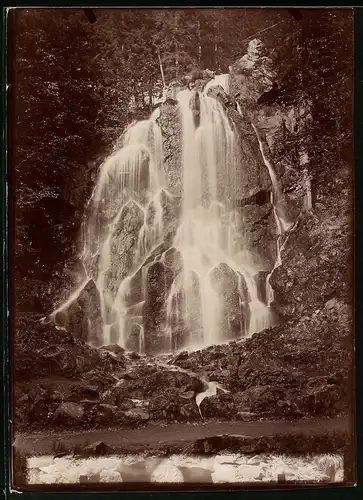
(282, 224)
(207, 237)
(130, 183)
(222, 80)
(132, 233)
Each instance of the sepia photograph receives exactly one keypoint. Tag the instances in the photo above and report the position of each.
(181, 271)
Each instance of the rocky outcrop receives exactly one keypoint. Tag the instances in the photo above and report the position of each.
(158, 283)
(123, 246)
(301, 368)
(253, 74)
(316, 263)
(171, 127)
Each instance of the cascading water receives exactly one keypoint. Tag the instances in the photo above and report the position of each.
(282, 224)
(215, 278)
(222, 80)
(128, 191)
(146, 300)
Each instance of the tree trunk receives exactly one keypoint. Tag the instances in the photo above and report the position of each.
(161, 69)
(199, 44)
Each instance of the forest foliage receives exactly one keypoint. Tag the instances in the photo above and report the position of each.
(75, 85)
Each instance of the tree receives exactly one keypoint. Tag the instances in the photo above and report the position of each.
(55, 114)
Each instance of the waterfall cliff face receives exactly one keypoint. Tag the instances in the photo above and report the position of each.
(167, 271)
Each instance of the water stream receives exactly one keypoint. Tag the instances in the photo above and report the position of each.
(212, 296)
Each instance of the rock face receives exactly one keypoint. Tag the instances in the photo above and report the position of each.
(159, 280)
(170, 123)
(123, 246)
(316, 264)
(254, 73)
(280, 127)
(259, 228)
(195, 107)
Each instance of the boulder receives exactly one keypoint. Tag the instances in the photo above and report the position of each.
(114, 348)
(68, 413)
(40, 411)
(79, 392)
(137, 416)
(220, 406)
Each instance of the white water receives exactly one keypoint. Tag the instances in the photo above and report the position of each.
(208, 298)
(208, 233)
(132, 177)
(222, 80)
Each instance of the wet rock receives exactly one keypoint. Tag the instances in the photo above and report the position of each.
(83, 317)
(243, 289)
(123, 246)
(135, 341)
(170, 123)
(159, 280)
(171, 210)
(316, 257)
(260, 280)
(115, 348)
(220, 406)
(259, 227)
(225, 282)
(195, 107)
(68, 413)
(219, 93)
(181, 356)
(173, 259)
